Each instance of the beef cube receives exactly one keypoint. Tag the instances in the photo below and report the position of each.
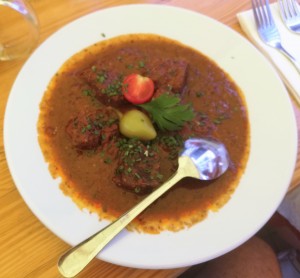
(168, 76)
(90, 129)
(107, 84)
(138, 168)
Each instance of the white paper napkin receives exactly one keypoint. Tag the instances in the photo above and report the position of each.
(290, 41)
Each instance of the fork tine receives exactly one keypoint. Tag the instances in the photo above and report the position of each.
(295, 6)
(283, 8)
(288, 8)
(270, 17)
(263, 13)
(255, 12)
(291, 7)
(259, 13)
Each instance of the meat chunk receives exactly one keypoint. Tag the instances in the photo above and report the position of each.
(107, 84)
(138, 167)
(90, 129)
(169, 76)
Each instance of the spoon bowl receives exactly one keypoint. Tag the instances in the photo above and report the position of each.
(203, 159)
(209, 156)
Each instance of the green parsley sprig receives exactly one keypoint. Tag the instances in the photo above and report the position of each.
(168, 113)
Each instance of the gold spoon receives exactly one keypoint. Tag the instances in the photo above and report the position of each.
(203, 159)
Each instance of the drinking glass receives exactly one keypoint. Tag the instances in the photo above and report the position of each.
(19, 30)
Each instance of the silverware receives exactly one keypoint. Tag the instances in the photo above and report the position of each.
(202, 159)
(290, 14)
(267, 29)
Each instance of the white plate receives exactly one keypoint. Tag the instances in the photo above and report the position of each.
(273, 138)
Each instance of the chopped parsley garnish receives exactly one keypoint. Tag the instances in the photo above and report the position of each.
(107, 160)
(141, 64)
(113, 89)
(199, 94)
(173, 143)
(220, 119)
(101, 77)
(88, 92)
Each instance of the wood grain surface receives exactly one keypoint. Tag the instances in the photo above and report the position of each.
(27, 248)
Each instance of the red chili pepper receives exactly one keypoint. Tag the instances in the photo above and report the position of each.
(137, 89)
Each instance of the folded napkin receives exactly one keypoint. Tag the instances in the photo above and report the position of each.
(290, 41)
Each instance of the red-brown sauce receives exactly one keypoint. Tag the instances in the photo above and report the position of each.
(89, 173)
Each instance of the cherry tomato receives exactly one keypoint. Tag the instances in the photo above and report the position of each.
(137, 89)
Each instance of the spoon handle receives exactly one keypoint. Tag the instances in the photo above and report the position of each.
(76, 258)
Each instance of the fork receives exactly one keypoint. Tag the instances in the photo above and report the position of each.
(290, 14)
(267, 29)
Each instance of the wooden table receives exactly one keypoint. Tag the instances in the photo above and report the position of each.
(27, 248)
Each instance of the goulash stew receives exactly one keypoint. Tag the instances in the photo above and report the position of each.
(114, 118)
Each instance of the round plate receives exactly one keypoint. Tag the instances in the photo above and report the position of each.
(272, 123)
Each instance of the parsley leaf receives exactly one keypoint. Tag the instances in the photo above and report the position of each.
(167, 112)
